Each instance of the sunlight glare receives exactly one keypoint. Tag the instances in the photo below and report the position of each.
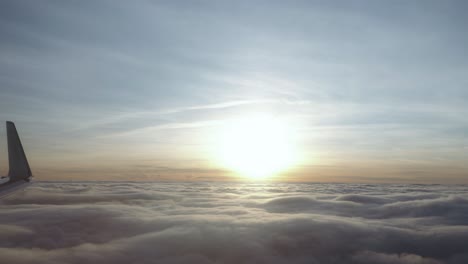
(256, 147)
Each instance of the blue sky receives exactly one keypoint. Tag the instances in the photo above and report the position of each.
(374, 90)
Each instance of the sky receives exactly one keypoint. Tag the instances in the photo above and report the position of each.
(370, 91)
(206, 223)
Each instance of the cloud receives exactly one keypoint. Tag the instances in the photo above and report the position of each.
(234, 223)
(372, 257)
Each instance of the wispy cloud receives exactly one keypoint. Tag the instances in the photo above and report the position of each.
(387, 74)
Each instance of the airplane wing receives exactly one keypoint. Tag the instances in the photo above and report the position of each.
(12, 187)
(19, 175)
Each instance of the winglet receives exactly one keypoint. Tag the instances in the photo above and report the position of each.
(19, 167)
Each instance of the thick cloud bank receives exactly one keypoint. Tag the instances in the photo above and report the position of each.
(234, 223)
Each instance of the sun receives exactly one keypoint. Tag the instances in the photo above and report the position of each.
(256, 147)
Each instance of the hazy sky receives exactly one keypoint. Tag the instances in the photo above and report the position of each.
(372, 90)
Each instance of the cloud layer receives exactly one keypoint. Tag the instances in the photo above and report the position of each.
(234, 223)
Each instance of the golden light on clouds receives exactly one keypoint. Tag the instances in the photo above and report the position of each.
(256, 146)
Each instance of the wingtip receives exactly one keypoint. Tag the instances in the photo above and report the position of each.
(10, 122)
